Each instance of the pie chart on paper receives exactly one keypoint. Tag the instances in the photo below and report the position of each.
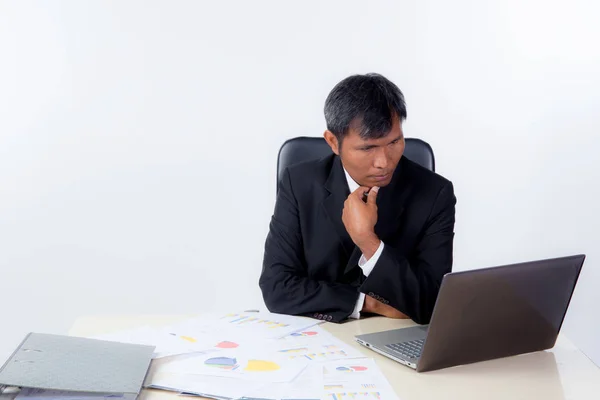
(261, 366)
(309, 333)
(227, 345)
(226, 363)
(352, 368)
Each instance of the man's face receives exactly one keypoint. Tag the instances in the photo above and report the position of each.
(370, 162)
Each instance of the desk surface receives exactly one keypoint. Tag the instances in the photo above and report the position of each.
(561, 373)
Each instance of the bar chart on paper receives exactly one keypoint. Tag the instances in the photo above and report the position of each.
(355, 396)
(315, 345)
(266, 325)
(358, 379)
(323, 355)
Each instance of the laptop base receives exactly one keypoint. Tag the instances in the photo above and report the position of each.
(402, 361)
(380, 342)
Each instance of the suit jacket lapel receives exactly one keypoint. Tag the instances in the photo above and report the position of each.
(353, 263)
(390, 203)
(338, 190)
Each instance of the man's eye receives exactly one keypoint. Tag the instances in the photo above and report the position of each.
(366, 148)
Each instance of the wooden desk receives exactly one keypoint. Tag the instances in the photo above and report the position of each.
(561, 373)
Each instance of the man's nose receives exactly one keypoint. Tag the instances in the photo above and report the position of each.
(381, 159)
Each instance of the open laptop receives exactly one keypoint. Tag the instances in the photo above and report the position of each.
(485, 314)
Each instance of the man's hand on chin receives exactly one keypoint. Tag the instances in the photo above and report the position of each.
(359, 218)
(376, 307)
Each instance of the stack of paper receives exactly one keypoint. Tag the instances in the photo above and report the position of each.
(257, 355)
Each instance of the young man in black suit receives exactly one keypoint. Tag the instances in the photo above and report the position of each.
(365, 229)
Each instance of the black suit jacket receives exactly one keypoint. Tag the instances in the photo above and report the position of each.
(310, 264)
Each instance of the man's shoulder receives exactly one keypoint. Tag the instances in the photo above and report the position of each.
(422, 178)
(312, 171)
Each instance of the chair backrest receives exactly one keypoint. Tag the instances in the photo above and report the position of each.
(304, 148)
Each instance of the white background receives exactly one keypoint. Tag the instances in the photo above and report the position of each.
(138, 140)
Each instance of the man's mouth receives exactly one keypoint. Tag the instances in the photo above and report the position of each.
(381, 177)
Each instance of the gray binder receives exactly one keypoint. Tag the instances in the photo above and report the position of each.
(66, 363)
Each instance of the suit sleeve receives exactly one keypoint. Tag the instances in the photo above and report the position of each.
(284, 281)
(412, 285)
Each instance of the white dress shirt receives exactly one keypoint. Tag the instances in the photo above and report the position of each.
(366, 265)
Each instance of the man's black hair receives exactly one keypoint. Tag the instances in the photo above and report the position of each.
(365, 102)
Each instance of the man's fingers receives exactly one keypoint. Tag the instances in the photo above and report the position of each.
(372, 198)
(359, 193)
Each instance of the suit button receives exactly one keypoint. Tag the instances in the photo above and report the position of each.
(371, 294)
(320, 316)
(316, 315)
(329, 318)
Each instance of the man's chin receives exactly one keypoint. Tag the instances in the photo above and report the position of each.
(380, 182)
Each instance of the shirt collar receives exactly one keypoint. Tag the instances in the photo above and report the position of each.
(352, 185)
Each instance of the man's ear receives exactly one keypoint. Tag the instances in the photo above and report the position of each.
(332, 141)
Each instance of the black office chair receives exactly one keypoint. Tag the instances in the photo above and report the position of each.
(305, 148)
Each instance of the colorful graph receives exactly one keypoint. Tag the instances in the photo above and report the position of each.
(272, 324)
(355, 395)
(309, 333)
(333, 387)
(369, 385)
(261, 366)
(241, 319)
(225, 363)
(351, 369)
(296, 350)
(226, 345)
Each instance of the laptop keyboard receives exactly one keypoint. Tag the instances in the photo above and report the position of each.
(410, 349)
